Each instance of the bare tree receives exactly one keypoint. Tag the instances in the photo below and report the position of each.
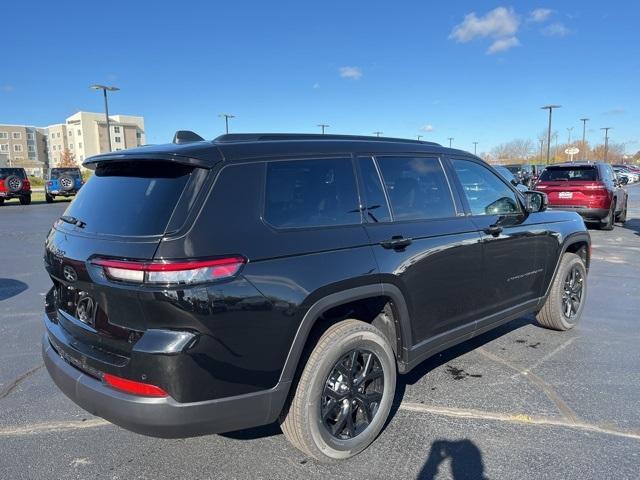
(515, 151)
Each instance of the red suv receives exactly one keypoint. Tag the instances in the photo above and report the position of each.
(591, 189)
(14, 183)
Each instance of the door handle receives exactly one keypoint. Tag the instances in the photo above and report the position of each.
(494, 230)
(397, 242)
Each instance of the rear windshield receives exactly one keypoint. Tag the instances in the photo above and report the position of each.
(8, 172)
(70, 172)
(589, 174)
(134, 198)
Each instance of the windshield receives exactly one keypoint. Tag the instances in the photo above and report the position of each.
(133, 198)
(589, 174)
(8, 172)
(70, 172)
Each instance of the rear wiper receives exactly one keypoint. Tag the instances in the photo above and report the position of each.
(73, 221)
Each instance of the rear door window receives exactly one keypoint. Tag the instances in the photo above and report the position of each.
(554, 174)
(132, 198)
(58, 172)
(10, 172)
(375, 205)
(311, 193)
(417, 188)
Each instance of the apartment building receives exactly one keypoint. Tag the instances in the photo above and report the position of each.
(23, 146)
(83, 134)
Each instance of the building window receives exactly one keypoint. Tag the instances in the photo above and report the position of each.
(71, 145)
(4, 135)
(116, 129)
(70, 133)
(4, 147)
(16, 135)
(117, 139)
(79, 132)
(31, 148)
(138, 135)
(81, 157)
(17, 147)
(30, 136)
(79, 144)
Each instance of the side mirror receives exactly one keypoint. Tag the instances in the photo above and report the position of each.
(514, 182)
(535, 201)
(623, 180)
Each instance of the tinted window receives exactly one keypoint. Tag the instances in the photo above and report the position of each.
(486, 193)
(133, 198)
(417, 188)
(308, 193)
(72, 172)
(7, 172)
(569, 173)
(376, 207)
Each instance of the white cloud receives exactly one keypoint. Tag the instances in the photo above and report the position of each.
(540, 14)
(7, 88)
(499, 22)
(316, 85)
(426, 128)
(502, 45)
(555, 30)
(352, 73)
(615, 111)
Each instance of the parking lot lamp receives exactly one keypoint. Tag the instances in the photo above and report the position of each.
(475, 148)
(323, 126)
(377, 134)
(550, 108)
(584, 131)
(226, 116)
(104, 89)
(606, 142)
(450, 140)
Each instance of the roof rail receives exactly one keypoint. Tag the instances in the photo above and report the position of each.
(263, 137)
(186, 136)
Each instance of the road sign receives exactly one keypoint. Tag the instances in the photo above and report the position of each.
(572, 151)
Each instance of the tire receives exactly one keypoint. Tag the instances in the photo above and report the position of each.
(13, 183)
(48, 197)
(1, 201)
(553, 314)
(302, 422)
(607, 222)
(25, 199)
(66, 183)
(622, 216)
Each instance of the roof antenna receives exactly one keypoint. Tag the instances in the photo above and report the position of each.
(186, 136)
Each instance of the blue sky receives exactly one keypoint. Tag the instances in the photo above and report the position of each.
(475, 71)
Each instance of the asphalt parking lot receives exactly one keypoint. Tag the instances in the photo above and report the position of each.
(519, 402)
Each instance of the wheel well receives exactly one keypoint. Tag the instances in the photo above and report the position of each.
(377, 311)
(582, 250)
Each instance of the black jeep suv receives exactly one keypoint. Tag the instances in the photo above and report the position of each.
(260, 277)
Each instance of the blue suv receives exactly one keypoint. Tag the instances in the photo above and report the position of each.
(62, 182)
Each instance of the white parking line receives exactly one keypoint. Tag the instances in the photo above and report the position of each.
(51, 427)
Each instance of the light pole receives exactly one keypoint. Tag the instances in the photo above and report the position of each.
(584, 132)
(419, 137)
(569, 129)
(606, 142)
(377, 134)
(475, 148)
(450, 140)
(550, 108)
(226, 116)
(323, 126)
(104, 89)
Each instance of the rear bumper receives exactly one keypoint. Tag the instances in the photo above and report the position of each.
(15, 194)
(594, 214)
(63, 193)
(162, 417)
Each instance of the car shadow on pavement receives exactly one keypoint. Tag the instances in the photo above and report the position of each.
(633, 225)
(10, 288)
(464, 455)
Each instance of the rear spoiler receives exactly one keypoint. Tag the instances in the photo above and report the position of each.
(92, 162)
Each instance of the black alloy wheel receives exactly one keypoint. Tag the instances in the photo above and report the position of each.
(572, 293)
(352, 394)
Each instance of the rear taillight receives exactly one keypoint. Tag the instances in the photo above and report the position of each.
(540, 187)
(50, 184)
(599, 186)
(133, 387)
(170, 272)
